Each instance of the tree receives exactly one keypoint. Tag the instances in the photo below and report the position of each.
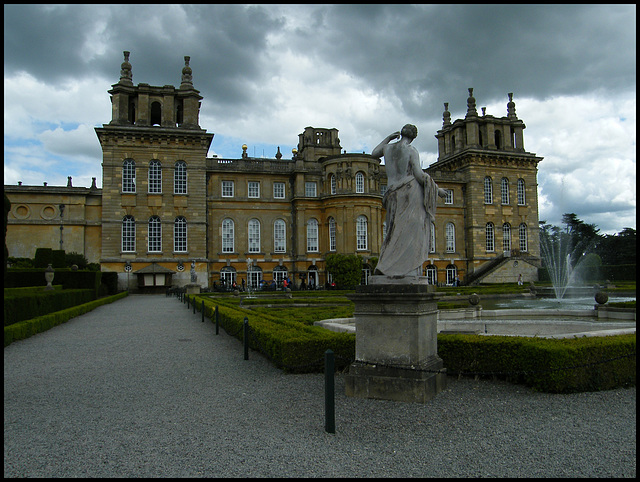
(345, 269)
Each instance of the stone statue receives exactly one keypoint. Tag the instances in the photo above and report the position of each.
(194, 276)
(410, 202)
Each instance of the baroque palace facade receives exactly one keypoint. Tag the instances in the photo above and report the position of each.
(167, 214)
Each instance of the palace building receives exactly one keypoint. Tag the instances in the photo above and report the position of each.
(165, 207)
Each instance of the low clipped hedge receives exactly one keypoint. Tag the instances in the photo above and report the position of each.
(292, 346)
(547, 365)
(25, 305)
(27, 328)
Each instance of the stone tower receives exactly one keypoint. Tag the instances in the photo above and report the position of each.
(154, 182)
(485, 155)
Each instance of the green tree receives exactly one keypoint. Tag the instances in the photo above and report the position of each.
(345, 269)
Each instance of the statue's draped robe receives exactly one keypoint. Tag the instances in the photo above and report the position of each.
(411, 207)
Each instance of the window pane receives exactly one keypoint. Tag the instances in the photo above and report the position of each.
(254, 236)
(227, 236)
(128, 234)
(180, 178)
(155, 177)
(180, 235)
(129, 176)
(155, 235)
(312, 235)
(361, 232)
(279, 236)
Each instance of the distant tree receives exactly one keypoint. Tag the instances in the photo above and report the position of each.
(618, 248)
(345, 269)
(76, 258)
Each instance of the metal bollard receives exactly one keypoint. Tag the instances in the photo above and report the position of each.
(202, 311)
(194, 305)
(217, 321)
(246, 338)
(329, 393)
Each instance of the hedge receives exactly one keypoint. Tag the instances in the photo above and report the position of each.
(28, 305)
(27, 328)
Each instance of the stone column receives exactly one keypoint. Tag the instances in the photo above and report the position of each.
(396, 341)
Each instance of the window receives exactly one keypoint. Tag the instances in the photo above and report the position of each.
(522, 231)
(254, 236)
(383, 189)
(154, 243)
(431, 273)
(490, 237)
(498, 139)
(521, 198)
(361, 233)
(310, 189)
(254, 277)
(155, 177)
(366, 273)
(156, 114)
(488, 191)
(227, 236)
(228, 276)
(129, 176)
(278, 190)
(227, 188)
(254, 189)
(312, 235)
(128, 234)
(448, 199)
(279, 274)
(180, 235)
(450, 236)
(504, 190)
(359, 183)
(180, 178)
(279, 236)
(452, 273)
(332, 183)
(506, 237)
(332, 234)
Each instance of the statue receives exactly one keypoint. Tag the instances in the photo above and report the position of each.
(410, 202)
(194, 276)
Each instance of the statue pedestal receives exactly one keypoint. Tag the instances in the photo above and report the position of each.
(396, 343)
(193, 288)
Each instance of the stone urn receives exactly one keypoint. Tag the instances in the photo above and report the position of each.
(48, 276)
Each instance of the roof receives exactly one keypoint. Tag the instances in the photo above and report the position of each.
(154, 268)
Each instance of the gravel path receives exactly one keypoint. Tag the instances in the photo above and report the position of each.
(142, 388)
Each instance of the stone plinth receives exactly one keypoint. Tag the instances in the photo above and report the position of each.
(193, 288)
(396, 343)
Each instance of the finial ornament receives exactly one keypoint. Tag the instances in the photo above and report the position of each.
(511, 107)
(125, 70)
(187, 78)
(446, 115)
(471, 104)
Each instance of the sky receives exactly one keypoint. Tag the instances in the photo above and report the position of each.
(268, 71)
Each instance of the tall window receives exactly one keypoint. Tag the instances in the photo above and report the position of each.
(180, 178)
(278, 190)
(359, 183)
(522, 231)
(504, 190)
(227, 236)
(312, 235)
(448, 199)
(431, 273)
(521, 198)
(488, 190)
(490, 237)
(452, 273)
(129, 175)
(279, 236)
(332, 234)
(254, 189)
(128, 234)
(154, 244)
(450, 235)
(310, 189)
(227, 188)
(180, 235)
(361, 233)
(506, 237)
(254, 236)
(155, 177)
(332, 183)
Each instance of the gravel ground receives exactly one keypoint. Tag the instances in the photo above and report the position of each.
(142, 388)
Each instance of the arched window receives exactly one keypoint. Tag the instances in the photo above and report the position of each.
(156, 113)
(155, 177)
(450, 237)
(312, 236)
(180, 178)
(452, 274)
(522, 231)
(279, 274)
(432, 274)
(521, 197)
(228, 239)
(154, 242)
(128, 234)
(488, 190)
(506, 237)
(504, 190)
(180, 235)
(332, 234)
(332, 183)
(279, 236)
(129, 175)
(254, 236)
(490, 237)
(361, 233)
(228, 275)
(359, 183)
